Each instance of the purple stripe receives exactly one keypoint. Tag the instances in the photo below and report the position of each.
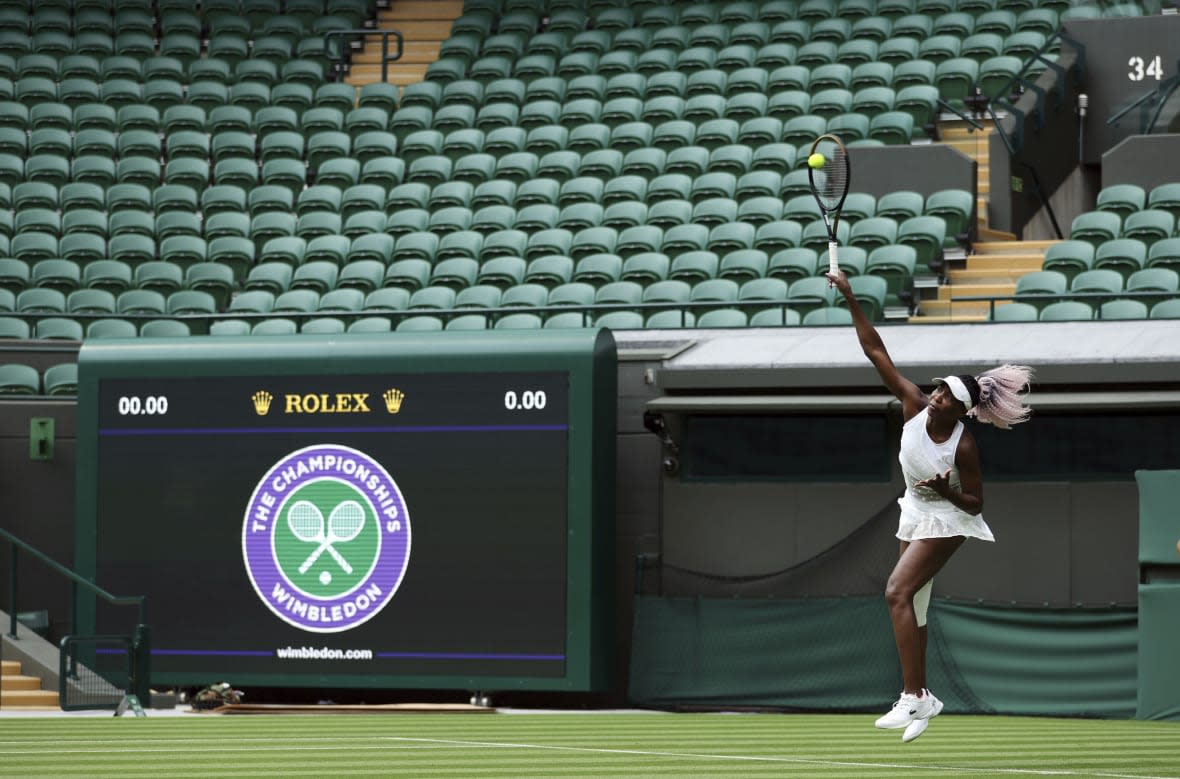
(464, 656)
(386, 655)
(212, 653)
(262, 430)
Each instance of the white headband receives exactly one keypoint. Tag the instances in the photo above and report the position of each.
(958, 389)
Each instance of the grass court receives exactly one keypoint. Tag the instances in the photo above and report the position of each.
(571, 745)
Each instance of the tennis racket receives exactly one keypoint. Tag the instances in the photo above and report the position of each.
(829, 185)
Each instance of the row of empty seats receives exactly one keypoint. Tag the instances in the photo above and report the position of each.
(17, 379)
(1082, 310)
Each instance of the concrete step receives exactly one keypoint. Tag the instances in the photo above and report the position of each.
(991, 235)
(420, 10)
(401, 75)
(25, 699)
(429, 30)
(10, 682)
(944, 311)
(1014, 247)
(1002, 263)
(976, 289)
(946, 319)
(413, 53)
(961, 278)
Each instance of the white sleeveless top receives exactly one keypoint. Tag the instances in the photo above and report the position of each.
(925, 513)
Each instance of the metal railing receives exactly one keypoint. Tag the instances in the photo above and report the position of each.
(1095, 299)
(353, 40)
(1015, 143)
(139, 644)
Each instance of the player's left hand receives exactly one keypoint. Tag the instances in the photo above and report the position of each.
(940, 483)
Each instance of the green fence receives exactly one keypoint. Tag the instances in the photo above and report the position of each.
(838, 654)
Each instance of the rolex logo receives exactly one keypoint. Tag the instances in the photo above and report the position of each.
(393, 400)
(262, 400)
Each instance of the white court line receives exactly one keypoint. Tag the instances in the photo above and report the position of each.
(768, 759)
(132, 750)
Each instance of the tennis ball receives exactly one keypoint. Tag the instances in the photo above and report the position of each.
(816, 160)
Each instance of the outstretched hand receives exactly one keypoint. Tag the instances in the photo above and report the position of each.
(940, 483)
(838, 280)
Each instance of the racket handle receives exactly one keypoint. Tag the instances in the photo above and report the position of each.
(833, 261)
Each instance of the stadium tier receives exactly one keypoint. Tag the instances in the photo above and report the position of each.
(160, 161)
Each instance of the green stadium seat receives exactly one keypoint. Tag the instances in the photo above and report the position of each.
(1149, 225)
(1162, 280)
(871, 233)
(1069, 258)
(900, 204)
(940, 48)
(810, 293)
(927, 234)
(896, 264)
(110, 328)
(59, 274)
(1165, 254)
(1166, 309)
(1067, 311)
(826, 316)
(956, 79)
(275, 326)
(159, 276)
(18, 379)
(58, 329)
(1097, 280)
(997, 74)
(1125, 255)
(1015, 312)
(1047, 285)
(131, 222)
(982, 46)
(1122, 199)
(956, 207)
(1123, 309)
(1165, 197)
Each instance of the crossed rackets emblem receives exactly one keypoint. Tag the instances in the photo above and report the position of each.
(344, 524)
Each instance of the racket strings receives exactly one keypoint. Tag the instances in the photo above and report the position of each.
(305, 521)
(346, 521)
(835, 177)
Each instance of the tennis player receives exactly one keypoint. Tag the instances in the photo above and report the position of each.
(943, 501)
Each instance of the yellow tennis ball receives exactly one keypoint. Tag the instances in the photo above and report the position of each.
(816, 160)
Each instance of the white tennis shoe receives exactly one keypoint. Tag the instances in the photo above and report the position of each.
(918, 726)
(909, 707)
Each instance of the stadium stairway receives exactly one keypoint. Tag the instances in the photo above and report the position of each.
(425, 24)
(997, 258)
(20, 691)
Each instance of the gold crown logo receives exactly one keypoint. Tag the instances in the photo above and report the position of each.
(262, 400)
(393, 400)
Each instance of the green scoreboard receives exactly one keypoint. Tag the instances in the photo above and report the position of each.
(380, 511)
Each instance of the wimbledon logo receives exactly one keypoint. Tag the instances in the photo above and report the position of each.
(326, 538)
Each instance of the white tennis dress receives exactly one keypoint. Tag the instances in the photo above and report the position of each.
(925, 513)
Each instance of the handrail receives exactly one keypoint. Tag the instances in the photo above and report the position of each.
(1019, 78)
(347, 36)
(115, 600)
(1031, 297)
(944, 105)
(140, 641)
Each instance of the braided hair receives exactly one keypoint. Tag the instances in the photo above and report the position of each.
(1002, 392)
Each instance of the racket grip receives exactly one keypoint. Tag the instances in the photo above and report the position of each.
(833, 261)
